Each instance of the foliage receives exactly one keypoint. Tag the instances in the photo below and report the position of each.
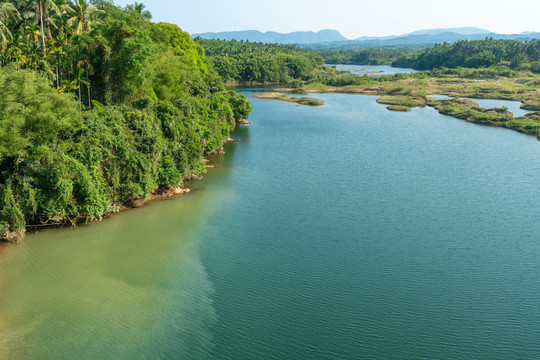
(93, 117)
(399, 108)
(248, 62)
(401, 100)
(474, 54)
(524, 125)
(469, 110)
(531, 105)
(371, 56)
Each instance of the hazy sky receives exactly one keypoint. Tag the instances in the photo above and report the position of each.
(352, 18)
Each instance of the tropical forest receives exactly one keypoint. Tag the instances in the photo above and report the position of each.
(99, 107)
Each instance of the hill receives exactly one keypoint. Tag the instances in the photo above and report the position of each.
(297, 37)
(325, 39)
(424, 38)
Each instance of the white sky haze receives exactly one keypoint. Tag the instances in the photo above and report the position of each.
(352, 18)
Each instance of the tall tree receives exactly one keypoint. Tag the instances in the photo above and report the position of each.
(33, 33)
(7, 11)
(138, 8)
(78, 80)
(42, 13)
(83, 14)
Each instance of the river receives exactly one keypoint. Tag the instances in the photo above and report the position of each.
(374, 70)
(345, 231)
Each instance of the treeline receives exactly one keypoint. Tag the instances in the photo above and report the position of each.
(248, 62)
(372, 56)
(100, 107)
(514, 54)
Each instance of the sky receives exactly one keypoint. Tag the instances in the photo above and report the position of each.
(352, 18)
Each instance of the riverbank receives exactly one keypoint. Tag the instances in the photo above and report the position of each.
(162, 194)
(157, 195)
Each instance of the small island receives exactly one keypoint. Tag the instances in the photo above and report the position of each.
(283, 97)
(399, 108)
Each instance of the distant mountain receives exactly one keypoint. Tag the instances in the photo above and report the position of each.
(332, 38)
(423, 38)
(459, 30)
(297, 37)
(366, 38)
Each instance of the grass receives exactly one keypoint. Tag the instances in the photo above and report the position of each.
(412, 90)
(399, 108)
(531, 105)
(524, 125)
(522, 89)
(282, 97)
(469, 110)
(403, 100)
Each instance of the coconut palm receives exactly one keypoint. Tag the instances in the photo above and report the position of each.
(41, 11)
(138, 8)
(7, 11)
(83, 14)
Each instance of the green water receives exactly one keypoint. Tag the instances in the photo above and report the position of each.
(338, 232)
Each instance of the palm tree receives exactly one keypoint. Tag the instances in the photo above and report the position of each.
(67, 86)
(78, 80)
(87, 66)
(84, 12)
(7, 11)
(57, 55)
(41, 11)
(138, 8)
(35, 55)
(33, 32)
(18, 57)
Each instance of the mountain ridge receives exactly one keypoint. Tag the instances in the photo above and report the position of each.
(296, 37)
(333, 38)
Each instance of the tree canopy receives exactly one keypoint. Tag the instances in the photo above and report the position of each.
(249, 62)
(100, 107)
(475, 54)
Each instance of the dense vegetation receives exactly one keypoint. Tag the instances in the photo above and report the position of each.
(371, 56)
(99, 107)
(515, 54)
(249, 62)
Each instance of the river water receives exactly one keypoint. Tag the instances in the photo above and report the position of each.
(374, 70)
(345, 231)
